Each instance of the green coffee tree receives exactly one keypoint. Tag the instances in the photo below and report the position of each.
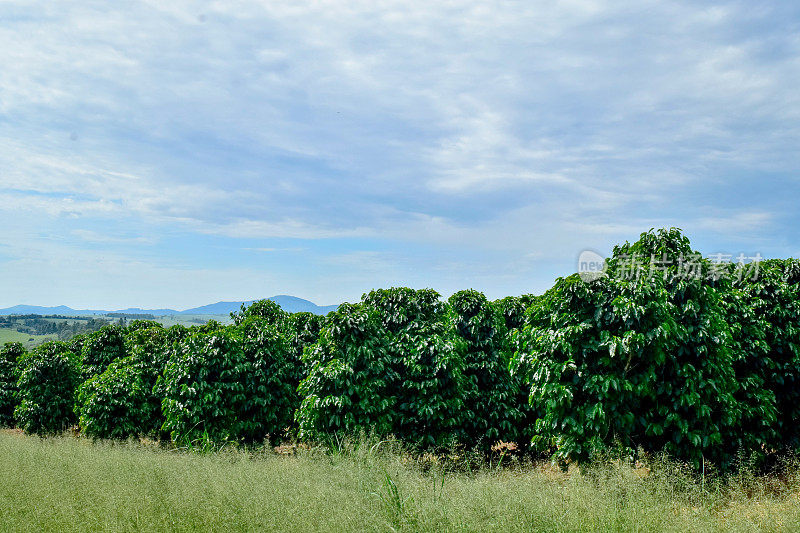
(121, 402)
(266, 310)
(634, 359)
(349, 386)
(101, 348)
(47, 381)
(512, 309)
(764, 312)
(425, 357)
(136, 325)
(10, 354)
(228, 385)
(490, 394)
(114, 404)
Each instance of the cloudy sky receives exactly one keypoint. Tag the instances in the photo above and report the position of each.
(180, 153)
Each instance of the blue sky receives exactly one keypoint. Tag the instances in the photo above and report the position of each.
(178, 153)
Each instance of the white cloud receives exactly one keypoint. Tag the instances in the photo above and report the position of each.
(737, 223)
(466, 128)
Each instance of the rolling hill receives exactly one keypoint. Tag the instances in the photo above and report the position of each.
(290, 304)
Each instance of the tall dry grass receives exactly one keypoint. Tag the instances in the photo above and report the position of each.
(72, 484)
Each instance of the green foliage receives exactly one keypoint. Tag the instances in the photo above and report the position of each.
(665, 352)
(303, 332)
(76, 343)
(209, 327)
(47, 381)
(764, 312)
(306, 328)
(427, 363)
(634, 361)
(386, 366)
(136, 325)
(271, 383)
(123, 401)
(150, 350)
(348, 389)
(490, 394)
(512, 309)
(102, 348)
(10, 354)
(266, 310)
(228, 385)
(114, 404)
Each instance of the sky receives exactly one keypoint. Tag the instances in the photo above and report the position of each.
(174, 154)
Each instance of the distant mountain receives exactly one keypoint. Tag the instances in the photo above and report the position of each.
(293, 304)
(39, 310)
(139, 311)
(290, 304)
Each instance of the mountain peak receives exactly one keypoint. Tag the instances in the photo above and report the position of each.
(290, 304)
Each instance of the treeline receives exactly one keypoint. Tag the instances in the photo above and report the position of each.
(132, 316)
(61, 326)
(697, 359)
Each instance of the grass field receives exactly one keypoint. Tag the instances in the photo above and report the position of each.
(70, 484)
(190, 320)
(31, 341)
(12, 335)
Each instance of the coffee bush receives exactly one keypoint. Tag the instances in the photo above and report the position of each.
(100, 349)
(10, 355)
(48, 378)
(632, 361)
(349, 387)
(114, 404)
(490, 394)
(228, 385)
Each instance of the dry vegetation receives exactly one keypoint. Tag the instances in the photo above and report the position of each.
(72, 484)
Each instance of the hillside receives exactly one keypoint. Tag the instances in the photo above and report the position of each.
(290, 304)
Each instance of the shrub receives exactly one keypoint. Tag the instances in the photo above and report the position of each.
(137, 325)
(348, 389)
(266, 310)
(512, 309)
(209, 327)
(271, 384)
(121, 402)
(427, 379)
(100, 349)
(306, 328)
(114, 404)
(227, 385)
(764, 311)
(303, 332)
(75, 344)
(633, 361)
(11, 353)
(386, 366)
(48, 378)
(490, 395)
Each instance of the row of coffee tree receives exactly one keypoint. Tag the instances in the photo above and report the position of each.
(664, 351)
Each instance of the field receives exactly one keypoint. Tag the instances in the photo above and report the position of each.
(9, 334)
(29, 341)
(71, 484)
(190, 320)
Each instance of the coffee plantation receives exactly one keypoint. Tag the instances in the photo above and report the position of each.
(664, 352)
